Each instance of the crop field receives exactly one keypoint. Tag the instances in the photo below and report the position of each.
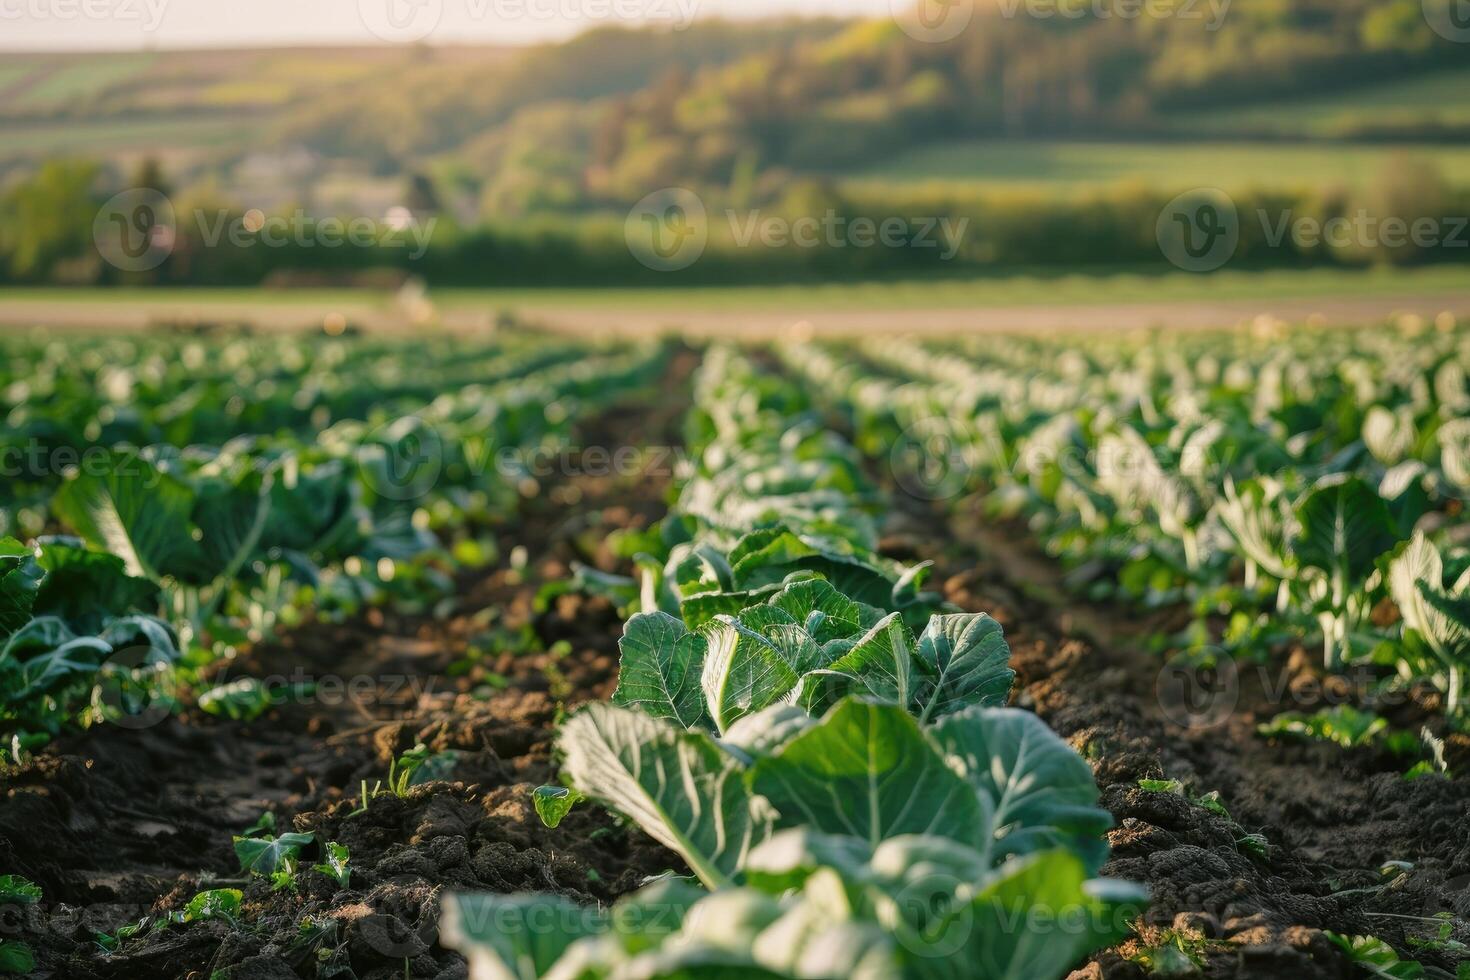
(1081, 166)
(1441, 97)
(180, 132)
(1138, 654)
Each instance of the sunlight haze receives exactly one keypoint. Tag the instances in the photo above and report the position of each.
(57, 25)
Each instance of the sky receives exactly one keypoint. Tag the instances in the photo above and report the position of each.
(52, 25)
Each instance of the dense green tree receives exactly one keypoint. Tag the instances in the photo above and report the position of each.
(47, 218)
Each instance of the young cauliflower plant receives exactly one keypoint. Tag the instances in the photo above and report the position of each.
(857, 844)
(1436, 610)
(854, 799)
(808, 645)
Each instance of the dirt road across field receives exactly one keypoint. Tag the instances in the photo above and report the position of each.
(371, 313)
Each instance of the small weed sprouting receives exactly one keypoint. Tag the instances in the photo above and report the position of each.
(221, 904)
(335, 865)
(111, 943)
(1177, 954)
(265, 825)
(1255, 845)
(413, 768)
(275, 858)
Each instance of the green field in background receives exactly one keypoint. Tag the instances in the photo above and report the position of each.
(1015, 290)
(10, 74)
(1053, 166)
(1442, 98)
(77, 138)
(82, 78)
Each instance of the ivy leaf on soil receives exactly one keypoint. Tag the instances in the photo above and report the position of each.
(419, 765)
(265, 825)
(110, 943)
(218, 903)
(336, 864)
(553, 803)
(267, 855)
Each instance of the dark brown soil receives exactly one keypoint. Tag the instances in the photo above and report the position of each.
(1331, 817)
(117, 824)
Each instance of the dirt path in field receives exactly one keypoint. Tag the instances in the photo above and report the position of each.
(1331, 818)
(117, 824)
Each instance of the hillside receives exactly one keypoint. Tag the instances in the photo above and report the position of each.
(736, 108)
(387, 107)
(1057, 141)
